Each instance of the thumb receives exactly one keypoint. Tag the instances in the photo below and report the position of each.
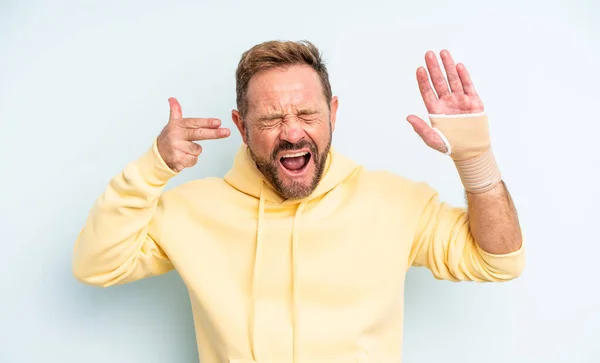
(175, 109)
(427, 133)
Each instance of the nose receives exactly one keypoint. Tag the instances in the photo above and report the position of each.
(292, 131)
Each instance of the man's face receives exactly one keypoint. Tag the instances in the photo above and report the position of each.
(288, 128)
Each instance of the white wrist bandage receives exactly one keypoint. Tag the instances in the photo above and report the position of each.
(467, 141)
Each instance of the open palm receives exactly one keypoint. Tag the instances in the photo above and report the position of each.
(455, 95)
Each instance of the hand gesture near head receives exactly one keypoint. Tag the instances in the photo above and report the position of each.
(176, 141)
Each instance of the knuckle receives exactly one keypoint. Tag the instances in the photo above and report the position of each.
(172, 132)
(191, 161)
(172, 142)
(195, 149)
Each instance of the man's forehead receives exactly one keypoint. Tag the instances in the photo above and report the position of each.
(292, 86)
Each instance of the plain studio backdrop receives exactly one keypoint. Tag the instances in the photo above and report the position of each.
(84, 88)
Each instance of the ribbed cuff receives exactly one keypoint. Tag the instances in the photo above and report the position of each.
(152, 168)
(508, 265)
(480, 174)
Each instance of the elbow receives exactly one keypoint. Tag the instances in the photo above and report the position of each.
(86, 276)
(88, 266)
(91, 274)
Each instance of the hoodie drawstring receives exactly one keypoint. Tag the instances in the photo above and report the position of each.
(295, 320)
(256, 275)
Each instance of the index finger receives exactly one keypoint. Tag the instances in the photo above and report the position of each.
(206, 134)
(196, 123)
(429, 97)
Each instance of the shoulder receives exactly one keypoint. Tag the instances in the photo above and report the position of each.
(385, 187)
(384, 181)
(204, 189)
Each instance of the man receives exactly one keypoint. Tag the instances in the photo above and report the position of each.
(298, 254)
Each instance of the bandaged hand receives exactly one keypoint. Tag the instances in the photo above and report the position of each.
(459, 124)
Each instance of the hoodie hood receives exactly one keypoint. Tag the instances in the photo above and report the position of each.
(245, 177)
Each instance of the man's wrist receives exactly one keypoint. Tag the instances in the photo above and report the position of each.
(467, 141)
(479, 174)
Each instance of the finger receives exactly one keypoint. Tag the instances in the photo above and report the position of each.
(437, 77)
(451, 73)
(175, 109)
(190, 148)
(427, 134)
(465, 79)
(189, 161)
(429, 97)
(195, 123)
(206, 134)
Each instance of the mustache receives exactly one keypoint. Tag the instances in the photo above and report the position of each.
(288, 146)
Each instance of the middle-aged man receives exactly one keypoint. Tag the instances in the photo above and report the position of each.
(299, 254)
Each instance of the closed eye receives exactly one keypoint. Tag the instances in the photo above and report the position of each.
(270, 120)
(270, 123)
(308, 116)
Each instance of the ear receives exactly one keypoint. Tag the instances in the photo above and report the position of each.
(241, 125)
(333, 107)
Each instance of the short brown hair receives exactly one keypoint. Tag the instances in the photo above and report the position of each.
(273, 54)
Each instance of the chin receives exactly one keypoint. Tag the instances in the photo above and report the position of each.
(293, 173)
(297, 183)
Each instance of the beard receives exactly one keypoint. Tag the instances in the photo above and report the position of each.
(269, 167)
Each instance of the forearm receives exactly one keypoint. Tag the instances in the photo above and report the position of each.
(493, 220)
(117, 242)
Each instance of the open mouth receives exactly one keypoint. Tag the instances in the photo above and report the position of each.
(295, 163)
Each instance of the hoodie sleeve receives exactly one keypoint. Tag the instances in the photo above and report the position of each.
(120, 240)
(444, 244)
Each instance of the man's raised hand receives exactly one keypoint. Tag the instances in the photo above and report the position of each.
(459, 124)
(176, 141)
(451, 96)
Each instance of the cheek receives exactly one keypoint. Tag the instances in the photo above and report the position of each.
(320, 135)
(263, 141)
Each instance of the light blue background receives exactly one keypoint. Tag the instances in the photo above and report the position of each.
(84, 88)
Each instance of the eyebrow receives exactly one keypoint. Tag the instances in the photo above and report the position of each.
(275, 116)
(307, 111)
(270, 117)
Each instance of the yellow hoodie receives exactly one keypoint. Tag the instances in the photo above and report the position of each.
(272, 281)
